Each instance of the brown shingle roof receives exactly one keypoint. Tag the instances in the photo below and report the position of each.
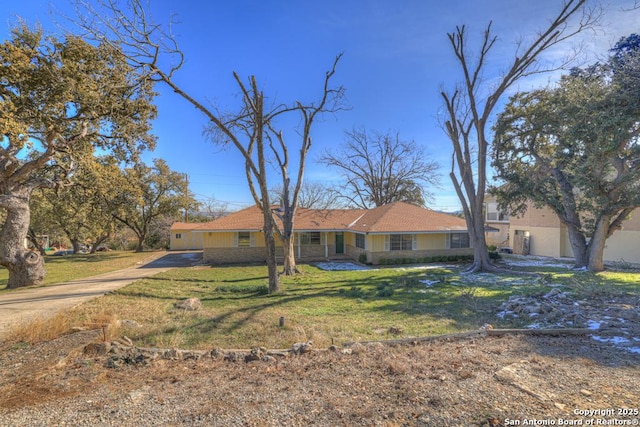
(248, 219)
(400, 217)
(397, 217)
(185, 225)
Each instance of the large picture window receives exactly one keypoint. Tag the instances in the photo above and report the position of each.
(360, 241)
(310, 238)
(401, 242)
(460, 240)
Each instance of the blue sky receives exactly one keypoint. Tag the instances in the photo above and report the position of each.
(396, 60)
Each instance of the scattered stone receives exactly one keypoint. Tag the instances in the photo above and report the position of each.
(586, 392)
(126, 341)
(96, 349)
(255, 354)
(216, 353)
(189, 304)
(126, 323)
(302, 347)
(233, 356)
(517, 375)
(347, 351)
(559, 406)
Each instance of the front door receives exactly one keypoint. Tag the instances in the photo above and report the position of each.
(339, 243)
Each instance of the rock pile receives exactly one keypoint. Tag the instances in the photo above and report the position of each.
(618, 317)
(122, 352)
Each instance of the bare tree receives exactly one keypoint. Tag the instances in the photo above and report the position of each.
(380, 168)
(213, 208)
(313, 195)
(252, 131)
(471, 104)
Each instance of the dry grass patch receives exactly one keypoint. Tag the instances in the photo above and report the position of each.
(48, 328)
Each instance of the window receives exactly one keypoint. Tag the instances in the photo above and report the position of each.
(401, 242)
(360, 241)
(459, 241)
(310, 238)
(493, 214)
(244, 239)
(178, 235)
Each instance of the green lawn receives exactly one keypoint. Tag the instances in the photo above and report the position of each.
(325, 306)
(64, 268)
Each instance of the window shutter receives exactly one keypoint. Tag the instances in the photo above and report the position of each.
(447, 244)
(235, 240)
(414, 242)
(252, 237)
(387, 242)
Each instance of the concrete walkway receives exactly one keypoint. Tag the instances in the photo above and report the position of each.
(25, 304)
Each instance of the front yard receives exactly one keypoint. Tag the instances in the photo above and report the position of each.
(333, 307)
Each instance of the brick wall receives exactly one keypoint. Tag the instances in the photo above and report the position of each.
(220, 256)
(376, 256)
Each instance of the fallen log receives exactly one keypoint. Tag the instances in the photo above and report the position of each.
(555, 331)
(411, 340)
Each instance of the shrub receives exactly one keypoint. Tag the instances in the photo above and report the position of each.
(354, 292)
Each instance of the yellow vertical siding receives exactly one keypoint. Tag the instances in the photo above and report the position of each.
(431, 241)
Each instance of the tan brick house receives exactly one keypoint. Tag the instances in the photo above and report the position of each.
(396, 230)
(539, 232)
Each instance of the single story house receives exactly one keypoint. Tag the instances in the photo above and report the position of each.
(183, 238)
(396, 230)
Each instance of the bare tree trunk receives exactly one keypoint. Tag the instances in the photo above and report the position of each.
(140, 246)
(597, 244)
(289, 261)
(270, 246)
(579, 247)
(26, 268)
(481, 260)
(98, 241)
(75, 244)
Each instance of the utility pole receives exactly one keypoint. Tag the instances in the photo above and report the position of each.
(186, 192)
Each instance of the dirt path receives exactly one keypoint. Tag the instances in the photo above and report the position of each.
(25, 304)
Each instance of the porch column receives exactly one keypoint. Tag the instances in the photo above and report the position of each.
(298, 240)
(326, 244)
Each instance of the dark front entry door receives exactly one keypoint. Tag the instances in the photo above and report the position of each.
(339, 243)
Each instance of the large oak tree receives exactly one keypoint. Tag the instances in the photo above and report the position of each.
(576, 149)
(60, 100)
(148, 193)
